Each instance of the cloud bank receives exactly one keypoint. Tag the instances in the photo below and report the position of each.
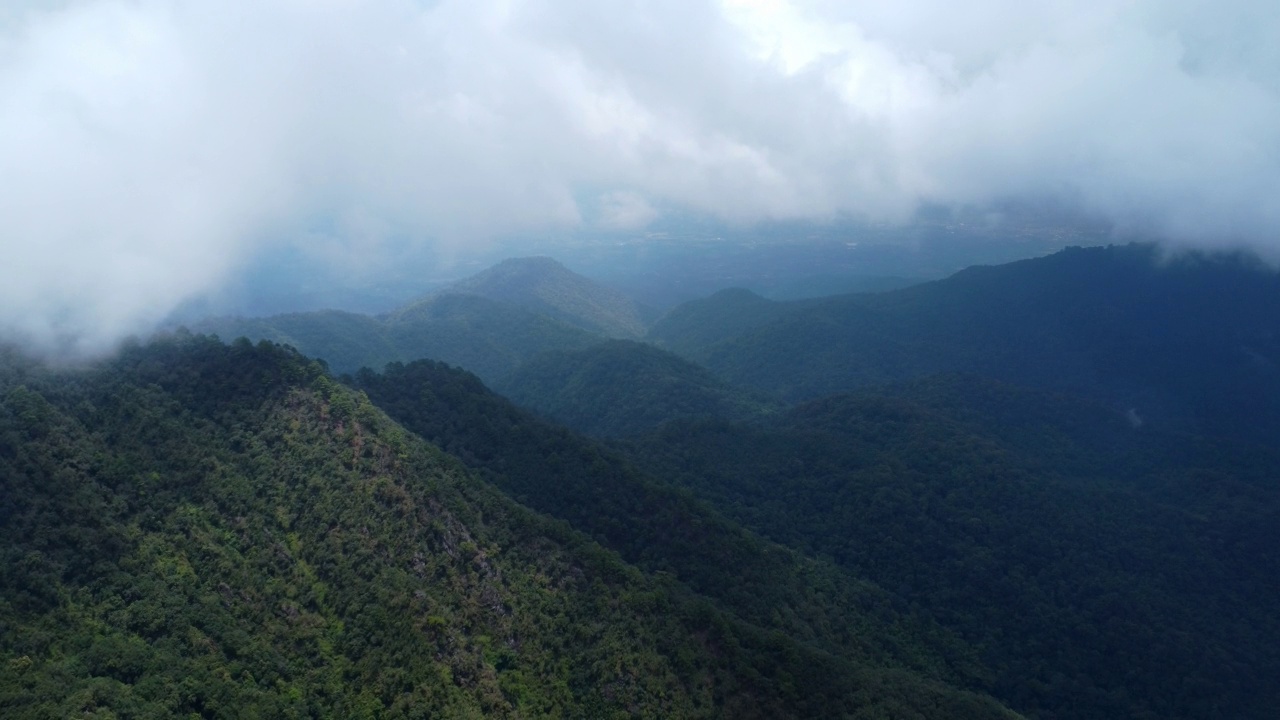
(148, 148)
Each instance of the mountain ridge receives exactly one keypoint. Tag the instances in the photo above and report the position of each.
(1187, 341)
(621, 387)
(490, 323)
(543, 285)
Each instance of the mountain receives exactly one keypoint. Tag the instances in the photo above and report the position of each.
(490, 323)
(346, 341)
(544, 286)
(695, 328)
(623, 388)
(1106, 569)
(660, 528)
(1048, 487)
(1191, 341)
(487, 337)
(224, 531)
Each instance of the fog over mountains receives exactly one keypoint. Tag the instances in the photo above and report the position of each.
(640, 359)
(155, 149)
(490, 323)
(1188, 341)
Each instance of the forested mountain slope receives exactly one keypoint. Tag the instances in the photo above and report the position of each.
(662, 529)
(224, 531)
(544, 286)
(1190, 342)
(487, 337)
(695, 328)
(621, 388)
(1106, 569)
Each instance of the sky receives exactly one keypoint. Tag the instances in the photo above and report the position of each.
(151, 149)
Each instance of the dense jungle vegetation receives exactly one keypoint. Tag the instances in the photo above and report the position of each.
(621, 388)
(1102, 570)
(1049, 488)
(204, 530)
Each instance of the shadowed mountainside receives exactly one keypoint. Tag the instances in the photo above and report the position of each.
(1191, 342)
(622, 388)
(1106, 570)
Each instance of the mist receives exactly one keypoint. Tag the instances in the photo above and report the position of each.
(151, 149)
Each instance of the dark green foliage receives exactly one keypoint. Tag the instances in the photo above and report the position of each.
(696, 327)
(622, 388)
(1106, 570)
(1192, 342)
(1109, 557)
(660, 529)
(197, 530)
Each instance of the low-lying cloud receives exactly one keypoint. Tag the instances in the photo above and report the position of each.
(148, 148)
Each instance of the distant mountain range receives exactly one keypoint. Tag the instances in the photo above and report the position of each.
(1192, 341)
(1188, 342)
(490, 323)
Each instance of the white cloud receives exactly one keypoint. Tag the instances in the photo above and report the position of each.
(625, 211)
(148, 147)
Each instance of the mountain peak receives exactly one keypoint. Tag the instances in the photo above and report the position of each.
(543, 285)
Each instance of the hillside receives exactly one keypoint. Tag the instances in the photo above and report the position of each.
(1076, 517)
(623, 388)
(484, 336)
(487, 337)
(1191, 342)
(660, 528)
(1106, 570)
(544, 286)
(489, 323)
(342, 339)
(224, 531)
(694, 328)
